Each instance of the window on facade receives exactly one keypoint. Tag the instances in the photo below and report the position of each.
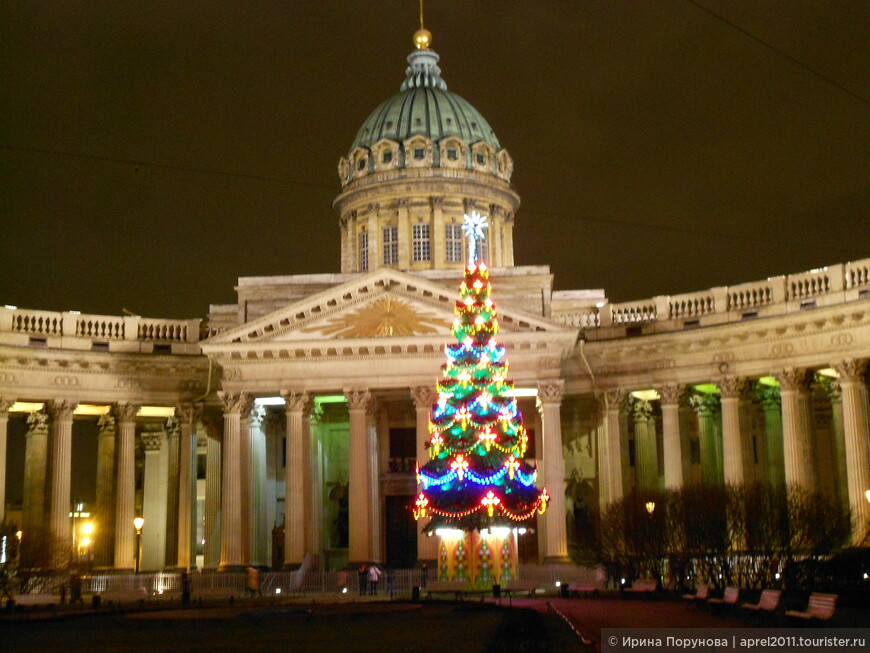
(452, 154)
(481, 158)
(419, 153)
(483, 251)
(362, 164)
(420, 241)
(363, 251)
(386, 156)
(453, 239)
(391, 245)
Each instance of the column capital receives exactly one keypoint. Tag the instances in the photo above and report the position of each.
(62, 409)
(424, 396)
(235, 402)
(358, 399)
(151, 441)
(38, 419)
(437, 201)
(258, 415)
(641, 409)
(671, 393)
(551, 391)
(185, 412)
(705, 404)
(402, 203)
(769, 396)
(732, 387)
(296, 401)
(615, 398)
(5, 405)
(793, 380)
(106, 424)
(127, 412)
(851, 370)
(172, 426)
(374, 207)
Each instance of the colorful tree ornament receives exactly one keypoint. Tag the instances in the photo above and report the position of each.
(477, 476)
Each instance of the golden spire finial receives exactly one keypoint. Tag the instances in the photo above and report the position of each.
(422, 37)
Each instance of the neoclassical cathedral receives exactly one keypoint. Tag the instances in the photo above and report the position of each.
(283, 429)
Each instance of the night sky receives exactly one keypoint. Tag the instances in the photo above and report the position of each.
(153, 152)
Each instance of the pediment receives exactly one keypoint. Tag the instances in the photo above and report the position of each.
(381, 304)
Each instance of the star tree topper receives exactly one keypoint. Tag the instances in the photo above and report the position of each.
(473, 228)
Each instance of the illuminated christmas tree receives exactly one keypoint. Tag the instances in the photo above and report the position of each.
(477, 478)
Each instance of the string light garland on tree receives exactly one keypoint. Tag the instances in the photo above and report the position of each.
(477, 476)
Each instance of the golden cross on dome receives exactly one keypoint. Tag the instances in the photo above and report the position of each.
(422, 37)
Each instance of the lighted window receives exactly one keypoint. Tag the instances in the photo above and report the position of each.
(391, 245)
(452, 154)
(419, 153)
(453, 238)
(420, 241)
(363, 251)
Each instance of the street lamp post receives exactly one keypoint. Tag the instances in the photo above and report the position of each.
(138, 523)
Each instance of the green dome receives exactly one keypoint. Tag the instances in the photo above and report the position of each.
(425, 107)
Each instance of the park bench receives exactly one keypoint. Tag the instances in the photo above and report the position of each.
(702, 593)
(229, 594)
(456, 587)
(585, 585)
(729, 598)
(820, 606)
(645, 586)
(35, 600)
(527, 587)
(121, 596)
(769, 602)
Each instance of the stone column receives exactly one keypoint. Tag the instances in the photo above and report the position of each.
(797, 447)
(646, 455)
(61, 466)
(375, 544)
(840, 462)
(707, 408)
(35, 467)
(105, 517)
(671, 395)
(5, 405)
(439, 242)
(185, 415)
(359, 478)
(404, 233)
(154, 502)
(424, 397)
(610, 450)
(261, 527)
(125, 504)
(549, 403)
(771, 404)
(172, 486)
(297, 404)
(234, 405)
(212, 526)
(246, 483)
(733, 464)
(856, 425)
(274, 429)
(314, 492)
(376, 258)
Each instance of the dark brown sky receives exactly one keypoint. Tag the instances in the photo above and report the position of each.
(153, 152)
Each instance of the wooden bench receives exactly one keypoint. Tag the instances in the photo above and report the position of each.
(820, 606)
(585, 585)
(35, 600)
(455, 587)
(121, 596)
(769, 602)
(729, 597)
(702, 593)
(215, 593)
(527, 587)
(646, 586)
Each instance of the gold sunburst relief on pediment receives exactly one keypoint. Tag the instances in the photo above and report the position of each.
(384, 317)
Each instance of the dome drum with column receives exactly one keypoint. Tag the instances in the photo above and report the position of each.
(424, 157)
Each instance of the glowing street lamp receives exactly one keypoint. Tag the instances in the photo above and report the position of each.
(138, 522)
(650, 507)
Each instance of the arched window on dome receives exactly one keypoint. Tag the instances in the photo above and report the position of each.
(418, 152)
(452, 153)
(482, 156)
